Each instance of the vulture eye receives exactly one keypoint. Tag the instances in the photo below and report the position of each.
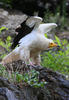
(51, 43)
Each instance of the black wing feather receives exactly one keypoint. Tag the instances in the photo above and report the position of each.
(22, 31)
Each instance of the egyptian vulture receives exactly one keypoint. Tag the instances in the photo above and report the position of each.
(31, 45)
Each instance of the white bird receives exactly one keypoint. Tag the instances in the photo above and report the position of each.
(32, 44)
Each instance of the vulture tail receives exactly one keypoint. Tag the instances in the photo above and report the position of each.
(13, 56)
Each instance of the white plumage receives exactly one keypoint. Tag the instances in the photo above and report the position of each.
(32, 44)
(34, 21)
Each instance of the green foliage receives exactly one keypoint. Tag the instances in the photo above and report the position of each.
(3, 72)
(2, 68)
(31, 78)
(5, 44)
(57, 60)
(6, 3)
(58, 40)
(45, 35)
(3, 28)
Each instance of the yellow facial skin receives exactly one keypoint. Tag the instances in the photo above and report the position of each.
(52, 45)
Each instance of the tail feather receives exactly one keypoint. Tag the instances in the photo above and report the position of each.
(13, 56)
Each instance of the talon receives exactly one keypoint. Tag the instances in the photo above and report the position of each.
(30, 63)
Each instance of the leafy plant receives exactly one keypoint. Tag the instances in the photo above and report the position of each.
(5, 44)
(6, 3)
(57, 60)
(58, 40)
(3, 72)
(31, 78)
(3, 28)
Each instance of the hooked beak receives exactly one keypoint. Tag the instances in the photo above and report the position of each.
(52, 45)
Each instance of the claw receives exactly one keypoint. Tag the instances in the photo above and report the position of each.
(30, 63)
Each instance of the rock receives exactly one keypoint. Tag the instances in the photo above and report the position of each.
(3, 16)
(10, 20)
(3, 12)
(7, 90)
(57, 87)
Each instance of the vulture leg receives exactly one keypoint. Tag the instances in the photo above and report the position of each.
(36, 59)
